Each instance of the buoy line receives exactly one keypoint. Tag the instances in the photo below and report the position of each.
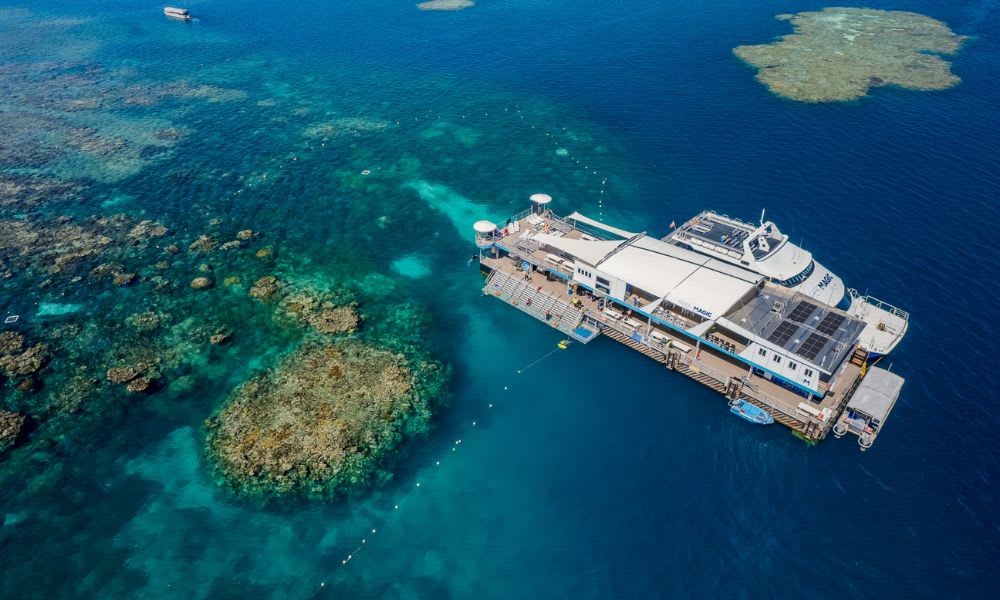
(416, 483)
(586, 167)
(278, 162)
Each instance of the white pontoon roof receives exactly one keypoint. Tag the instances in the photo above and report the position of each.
(877, 393)
(690, 285)
(687, 279)
(582, 219)
(590, 252)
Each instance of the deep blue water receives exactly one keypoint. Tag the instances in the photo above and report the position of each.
(596, 474)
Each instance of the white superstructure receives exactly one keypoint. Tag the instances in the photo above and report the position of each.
(757, 340)
(698, 295)
(763, 249)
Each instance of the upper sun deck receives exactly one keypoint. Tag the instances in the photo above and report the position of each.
(725, 236)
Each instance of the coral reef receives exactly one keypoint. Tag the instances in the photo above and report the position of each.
(122, 374)
(30, 191)
(346, 127)
(23, 363)
(204, 243)
(265, 287)
(10, 428)
(322, 421)
(147, 321)
(445, 4)
(320, 312)
(839, 53)
(201, 283)
(10, 342)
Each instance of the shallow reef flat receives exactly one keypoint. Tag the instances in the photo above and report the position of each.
(160, 253)
(323, 420)
(446, 4)
(838, 54)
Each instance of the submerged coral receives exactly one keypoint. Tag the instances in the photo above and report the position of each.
(320, 312)
(10, 428)
(839, 53)
(20, 364)
(445, 4)
(201, 283)
(265, 287)
(322, 421)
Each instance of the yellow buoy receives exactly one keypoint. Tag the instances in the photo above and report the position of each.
(562, 345)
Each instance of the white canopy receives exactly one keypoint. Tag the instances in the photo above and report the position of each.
(590, 252)
(484, 226)
(541, 198)
(691, 285)
(877, 393)
(582, 219)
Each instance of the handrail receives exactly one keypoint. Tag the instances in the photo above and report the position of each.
(889, 308)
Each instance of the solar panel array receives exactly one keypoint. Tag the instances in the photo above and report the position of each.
(830, 323)
(811, 347)
(783, 333)
(802, 311)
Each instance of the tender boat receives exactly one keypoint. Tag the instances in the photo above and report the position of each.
(754, 414)
(177, 13)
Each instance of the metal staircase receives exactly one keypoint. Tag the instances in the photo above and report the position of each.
(542, 305)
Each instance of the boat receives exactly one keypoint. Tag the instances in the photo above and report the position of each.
(777, 354)
(177, 13)
(763, 249)
(754, 414)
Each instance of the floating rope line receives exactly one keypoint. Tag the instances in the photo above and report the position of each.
(416, 485)
(523, 369)
(584, 166)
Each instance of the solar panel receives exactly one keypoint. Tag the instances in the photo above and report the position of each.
(830, 323)
(783, 333)
(811, 347)
(802, 311)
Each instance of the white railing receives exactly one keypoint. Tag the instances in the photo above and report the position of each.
(889, 308)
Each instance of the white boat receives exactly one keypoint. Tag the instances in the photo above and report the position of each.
(762, 249)
(765, 250)
(177, 13)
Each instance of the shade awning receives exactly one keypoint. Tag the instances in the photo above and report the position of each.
(582, 219)
(484, 226)
(877, 393)
(590, 252)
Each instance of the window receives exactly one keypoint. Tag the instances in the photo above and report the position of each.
(603, 285)
(761, 352)
(809, 372)
(794, 281)
(777, 359)
(793, 366)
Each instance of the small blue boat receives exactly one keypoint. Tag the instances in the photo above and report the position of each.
(754, 414)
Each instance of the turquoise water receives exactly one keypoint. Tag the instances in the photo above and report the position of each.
(594, 473)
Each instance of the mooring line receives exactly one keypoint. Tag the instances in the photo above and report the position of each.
(523, 369)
